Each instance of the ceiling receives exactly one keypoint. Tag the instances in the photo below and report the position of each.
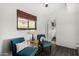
(39, 8)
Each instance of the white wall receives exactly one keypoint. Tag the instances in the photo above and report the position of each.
(77, 24)
(0, 27)
(66, 26)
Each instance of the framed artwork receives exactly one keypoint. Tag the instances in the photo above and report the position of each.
(53, 24)
(26, 21)
(22, 23)
(32, 24)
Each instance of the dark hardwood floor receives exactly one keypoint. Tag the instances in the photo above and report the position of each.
(58, 51)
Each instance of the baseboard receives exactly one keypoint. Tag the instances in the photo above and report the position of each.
(66, 47)
(5, 54)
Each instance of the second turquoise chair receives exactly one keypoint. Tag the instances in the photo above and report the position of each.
(44, 43)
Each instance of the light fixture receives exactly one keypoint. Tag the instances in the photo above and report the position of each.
(32, 33)
(46, 5)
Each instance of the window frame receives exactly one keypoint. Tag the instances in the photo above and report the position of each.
(26, 16)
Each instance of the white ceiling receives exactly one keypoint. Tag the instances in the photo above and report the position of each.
(39, 8)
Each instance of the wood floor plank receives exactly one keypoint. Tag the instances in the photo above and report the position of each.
(59, 51)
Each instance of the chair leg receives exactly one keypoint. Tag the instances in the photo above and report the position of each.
(50, 48)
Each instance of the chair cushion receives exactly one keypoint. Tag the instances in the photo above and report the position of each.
(28, 51)
(22, 45)
(40, 35)
(46, 43)
(42, 38)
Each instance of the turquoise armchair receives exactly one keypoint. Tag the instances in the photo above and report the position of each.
(27, 51)
(44, 44)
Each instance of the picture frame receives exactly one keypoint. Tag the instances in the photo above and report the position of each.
(22, 24)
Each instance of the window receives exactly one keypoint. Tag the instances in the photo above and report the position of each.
(25, 21)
